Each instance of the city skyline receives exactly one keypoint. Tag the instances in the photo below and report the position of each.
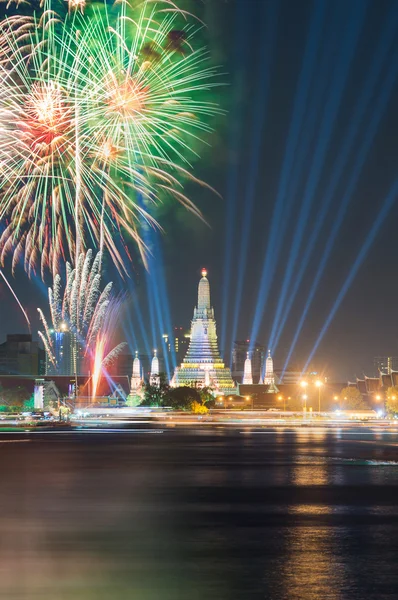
(172, 351)
(363, 325)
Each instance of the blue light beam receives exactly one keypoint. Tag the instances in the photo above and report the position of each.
(240, 57)
(387, 205)
(278, 225)
(347, 50)
(259, 113)
(379, 58)
(377, 113)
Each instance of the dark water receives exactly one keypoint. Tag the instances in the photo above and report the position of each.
(220, 515)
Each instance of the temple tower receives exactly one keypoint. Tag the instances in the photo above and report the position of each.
(154, 378)
(136, 380)
(136, 385)
(203, 365)
(247, 373)
(269, 378)
(269, 370)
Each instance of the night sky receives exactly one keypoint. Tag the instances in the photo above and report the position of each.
(311, 125)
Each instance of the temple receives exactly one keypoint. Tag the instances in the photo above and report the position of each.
(203, 365)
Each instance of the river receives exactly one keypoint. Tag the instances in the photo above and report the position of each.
(205, 514)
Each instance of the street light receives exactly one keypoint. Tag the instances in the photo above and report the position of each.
(284, 402)
(303, 384)
(249, 398)
(319, 384)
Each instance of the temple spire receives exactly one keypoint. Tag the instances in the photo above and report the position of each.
(154, 379)
(269, 370)
(204, 292)
(203, 365)
(136, 392)
(136, 366)
(247, 374)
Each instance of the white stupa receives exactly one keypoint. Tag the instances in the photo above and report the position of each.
(247, 373)
(154, 377)
(136, 380)
(269, 370)
(269, 378)
(136, 385)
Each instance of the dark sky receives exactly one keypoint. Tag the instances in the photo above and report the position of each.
(311, 101)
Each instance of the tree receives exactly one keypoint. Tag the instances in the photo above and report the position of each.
(392, 400)
(29, 404)
(14, 397)
(182, 398)
(351, 398)
(198, 408)
(157, 395)
(206, 397)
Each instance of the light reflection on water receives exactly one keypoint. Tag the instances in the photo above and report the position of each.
(180, 516)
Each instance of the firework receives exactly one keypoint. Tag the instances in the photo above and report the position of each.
(100, 117)
(15, 298)
(104, 355)
(83, 309)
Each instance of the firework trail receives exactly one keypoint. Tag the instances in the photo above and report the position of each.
(83, 309)
(17, 299)
(101, 114)
(104, 355)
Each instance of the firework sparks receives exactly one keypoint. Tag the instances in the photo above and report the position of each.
(81, 308)
(100, 117)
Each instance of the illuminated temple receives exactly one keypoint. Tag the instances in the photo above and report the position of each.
(203, 365)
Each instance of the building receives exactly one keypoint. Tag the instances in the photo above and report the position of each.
(239, 355)
(177, 346)
(290, 397)
(291, 376)
(20, 355)
(203, 365)
(385, 364)
(62, 361)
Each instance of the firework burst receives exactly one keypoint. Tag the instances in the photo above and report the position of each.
(100, 117)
